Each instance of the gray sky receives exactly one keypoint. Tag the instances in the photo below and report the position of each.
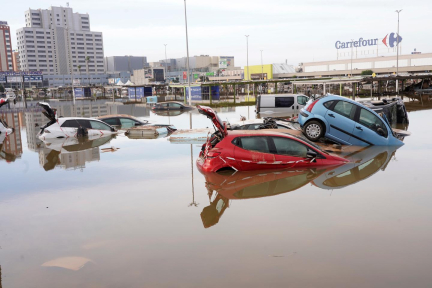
(298, 31)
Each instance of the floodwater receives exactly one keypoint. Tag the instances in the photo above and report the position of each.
(72, 215)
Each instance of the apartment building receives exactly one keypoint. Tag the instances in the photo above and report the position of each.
(57, 41)
(6, 63)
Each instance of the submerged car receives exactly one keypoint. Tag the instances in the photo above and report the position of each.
(122, 121)
(65, 127)
(258, 149)
(174, 105)
(4, 128)
(346, 122)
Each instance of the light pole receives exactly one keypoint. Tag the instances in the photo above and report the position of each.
(165, 62)
(352, 43)
(247, 60)
(397, 55)
(262, 67)
(187, 50)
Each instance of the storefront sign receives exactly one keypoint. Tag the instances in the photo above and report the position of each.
(391, 41)
(33, 78)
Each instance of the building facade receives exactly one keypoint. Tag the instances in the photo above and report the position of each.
(6, 63)
(117, 64)
(15, 61)
(58, 41)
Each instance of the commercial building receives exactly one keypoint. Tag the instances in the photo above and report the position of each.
(117, 64)
(267, 71)
(58, 41)
(15, 61)
(409, 63)
(6, 63)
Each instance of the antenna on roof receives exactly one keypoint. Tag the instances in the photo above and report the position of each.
(67, 4)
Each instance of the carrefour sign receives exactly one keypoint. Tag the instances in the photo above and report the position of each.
(391, 41)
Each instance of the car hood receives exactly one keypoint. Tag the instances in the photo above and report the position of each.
(212, 115)
(49, 112)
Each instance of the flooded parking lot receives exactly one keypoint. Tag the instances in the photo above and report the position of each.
(141, 214)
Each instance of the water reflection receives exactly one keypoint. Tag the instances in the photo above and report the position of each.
(70, 153)
(226, 186)
(11, 145)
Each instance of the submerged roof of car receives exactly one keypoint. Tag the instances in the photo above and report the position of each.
(116, 115)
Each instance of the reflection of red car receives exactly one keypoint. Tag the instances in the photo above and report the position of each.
(258, 150)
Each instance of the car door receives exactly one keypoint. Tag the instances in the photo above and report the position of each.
(112, 121)
(70, 127)
(99, 128)
(174, 106)
(253, 152)
(284, 103)
(340, 121)
(288, 152)
(369, 129)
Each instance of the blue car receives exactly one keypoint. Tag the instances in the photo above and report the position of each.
(346, 122)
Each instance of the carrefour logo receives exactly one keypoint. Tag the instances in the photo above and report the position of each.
(391, 41)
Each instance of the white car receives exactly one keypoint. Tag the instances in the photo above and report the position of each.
(65, 127)
(4, 128)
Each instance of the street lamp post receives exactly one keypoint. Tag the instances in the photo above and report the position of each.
(262, 67)
(187, 51)
(165, 62)
(247, 61)
(397, 55)
(352, 84)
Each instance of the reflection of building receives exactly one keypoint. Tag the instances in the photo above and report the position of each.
(12, 144)
(81, 110)
(34, 120)
(67, 160)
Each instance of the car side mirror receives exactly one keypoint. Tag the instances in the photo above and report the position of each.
(380, 132)
(113, 129)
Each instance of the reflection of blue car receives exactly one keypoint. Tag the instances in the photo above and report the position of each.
(345, 121)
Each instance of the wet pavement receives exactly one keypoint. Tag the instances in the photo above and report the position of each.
(142, 215)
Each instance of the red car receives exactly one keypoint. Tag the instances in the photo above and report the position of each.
(246, 150)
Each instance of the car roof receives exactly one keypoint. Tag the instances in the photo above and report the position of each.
(330, 97)
(116, 115)
(178, 102)
(77, 118)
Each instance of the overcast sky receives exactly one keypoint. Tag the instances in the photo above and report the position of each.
(296, 31)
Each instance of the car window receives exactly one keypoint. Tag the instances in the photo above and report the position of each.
(76, 123)
(256, 143)
(289, 147)
(302, 100)
(174, 105)
(254, 126)
(127, 122)
(99, 125)
(111, 121)
(284, 101)
(328, 104)
(371, 121)
(344, 108)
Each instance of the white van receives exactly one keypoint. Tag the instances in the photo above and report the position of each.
(281, 103)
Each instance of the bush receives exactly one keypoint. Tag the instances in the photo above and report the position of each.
(367, 72)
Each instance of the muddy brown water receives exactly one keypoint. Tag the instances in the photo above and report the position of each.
(142, 215)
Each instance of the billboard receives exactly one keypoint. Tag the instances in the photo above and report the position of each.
(184, 75)
(223, 63)
(2, 78)
(209, 73)
(33, 78)
(195, 93)
(79, 93)
(14, 79)
(158, 74)
(195, 76)
(393, 40)
(148, 91)
(136, 93)
(76, 81)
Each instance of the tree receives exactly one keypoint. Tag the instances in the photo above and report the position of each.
(367, 72)
(2, 89)
(87, 59)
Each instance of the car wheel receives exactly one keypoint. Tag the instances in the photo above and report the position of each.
(314, 130)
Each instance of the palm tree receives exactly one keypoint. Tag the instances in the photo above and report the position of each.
(87, 59)
(79, 70)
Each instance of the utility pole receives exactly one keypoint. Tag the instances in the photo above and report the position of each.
(262, 67)
(187, 50)
(165, 62)
(397, 55)
(247, 61)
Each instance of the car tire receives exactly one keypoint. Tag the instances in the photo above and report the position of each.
(313, 130)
